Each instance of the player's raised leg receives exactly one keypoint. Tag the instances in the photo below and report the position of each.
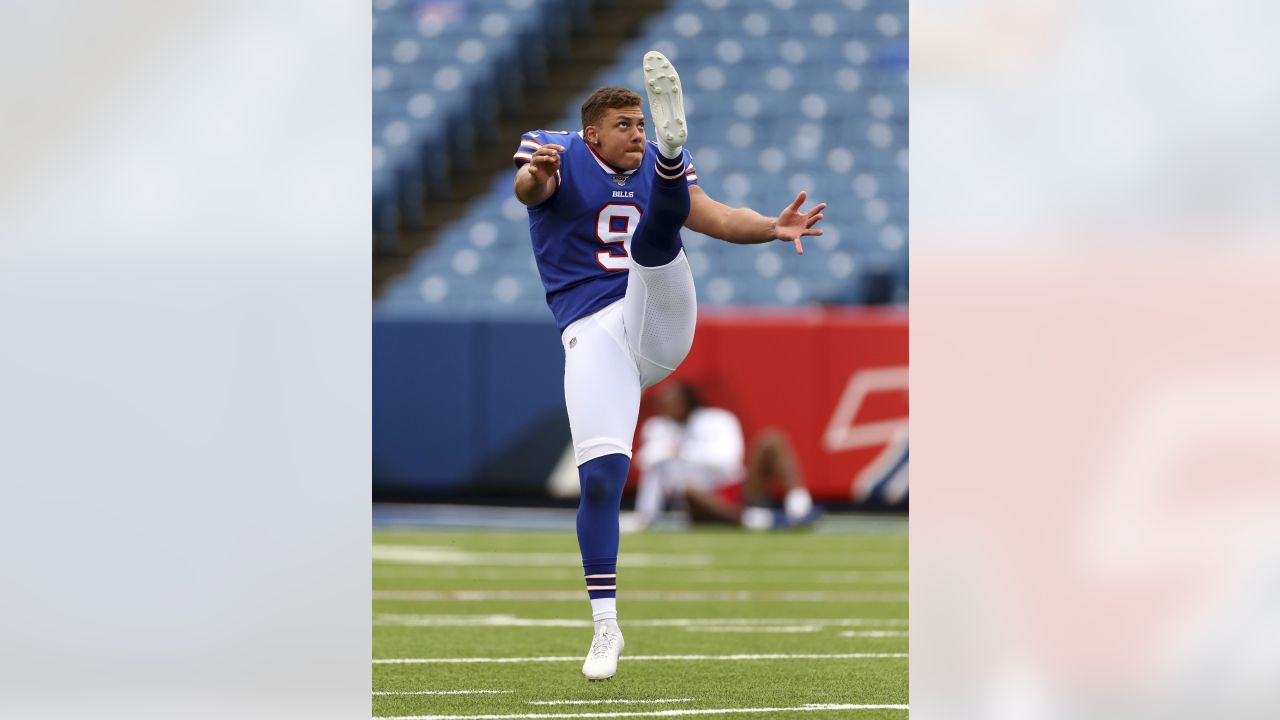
(656, 241)
(660, 307)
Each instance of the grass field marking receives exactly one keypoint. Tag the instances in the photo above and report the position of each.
(718, 629)
(608, 702)
(475, 621)
(640, 595)
(675, 712)
(435, 555)
(743, 577)
(442, 692)
(458, 572)
(772, 656)
(576, 658)
(411, 620)
(866, 559)
(457, 660)
(884, 576)
(842, 622)
(873, 633)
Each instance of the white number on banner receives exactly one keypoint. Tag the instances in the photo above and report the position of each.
(614, 224)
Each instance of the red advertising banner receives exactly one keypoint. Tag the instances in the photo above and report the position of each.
(833, 381)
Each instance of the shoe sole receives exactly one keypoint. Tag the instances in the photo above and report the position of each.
(598, 679)
(666, 99)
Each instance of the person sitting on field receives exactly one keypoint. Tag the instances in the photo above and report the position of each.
(694, 454)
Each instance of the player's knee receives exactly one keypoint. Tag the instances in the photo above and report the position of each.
(599, 490)
(602, 479)
(660, 355)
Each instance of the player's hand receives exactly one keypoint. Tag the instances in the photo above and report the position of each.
(545, 162)
(792, 224)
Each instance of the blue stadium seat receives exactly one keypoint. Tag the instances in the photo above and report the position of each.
(781, 94)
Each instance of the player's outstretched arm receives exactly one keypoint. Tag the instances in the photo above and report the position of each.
(746, 226)
(536, 180)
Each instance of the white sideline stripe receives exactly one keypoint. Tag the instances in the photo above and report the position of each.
(650, 713)
(741, 577)
(642, 595)
(607, 702)
(441, 692)
(436, 555)
(575, 658)
(725, 558)
(513, 621)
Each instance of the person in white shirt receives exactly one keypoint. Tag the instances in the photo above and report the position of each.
(693, 453)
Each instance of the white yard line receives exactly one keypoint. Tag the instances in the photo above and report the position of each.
(413, 620)
(862, 559)
(608, 702)
(640, 595)
(717, 629)
(442, 572)
(651, 713)
(577, 658)
(439, 692)
(852, 576)
(874, 633)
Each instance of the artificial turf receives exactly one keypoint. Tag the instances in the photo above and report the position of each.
(513, 595)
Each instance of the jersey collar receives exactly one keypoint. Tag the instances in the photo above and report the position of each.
(601, 162)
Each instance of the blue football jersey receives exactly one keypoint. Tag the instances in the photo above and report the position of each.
(582, 233)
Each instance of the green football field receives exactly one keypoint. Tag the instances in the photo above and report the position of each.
(717, 624)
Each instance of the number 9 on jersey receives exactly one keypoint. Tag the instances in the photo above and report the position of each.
(615, 224)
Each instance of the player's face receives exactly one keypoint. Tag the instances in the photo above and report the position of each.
(621, 136)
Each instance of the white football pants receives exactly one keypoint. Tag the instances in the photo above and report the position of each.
(614, 353)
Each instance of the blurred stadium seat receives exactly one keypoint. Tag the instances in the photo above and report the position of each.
(782, 96)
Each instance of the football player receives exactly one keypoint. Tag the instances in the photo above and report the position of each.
(605, 210)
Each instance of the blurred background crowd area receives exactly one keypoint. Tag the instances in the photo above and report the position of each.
(781, 96)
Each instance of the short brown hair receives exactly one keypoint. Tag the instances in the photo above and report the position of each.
(606, 98)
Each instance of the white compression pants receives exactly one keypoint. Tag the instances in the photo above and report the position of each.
(614, 353)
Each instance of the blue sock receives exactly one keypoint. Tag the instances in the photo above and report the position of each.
(601, 481)
(656, 241)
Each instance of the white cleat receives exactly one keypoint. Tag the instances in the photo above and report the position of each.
(666, 100)
(606, 646)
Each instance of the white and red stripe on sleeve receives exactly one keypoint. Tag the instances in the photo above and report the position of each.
(529, 143)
